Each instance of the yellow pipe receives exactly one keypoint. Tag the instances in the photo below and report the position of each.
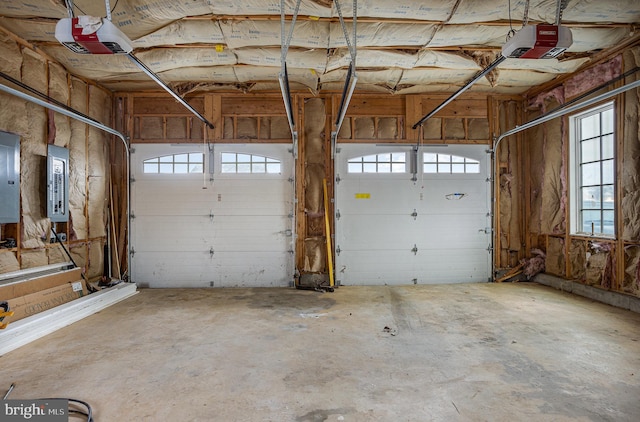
(328, 232)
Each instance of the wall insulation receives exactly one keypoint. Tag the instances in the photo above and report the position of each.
(38, 127)
(78, 156)
(608, 263)
(631, 154)
(510, 188)
(630, 176)
(314, 154)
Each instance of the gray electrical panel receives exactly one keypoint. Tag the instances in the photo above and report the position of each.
(57, 184)
(9, 178)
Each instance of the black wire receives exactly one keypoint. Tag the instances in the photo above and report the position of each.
(84, 13)
(81, 11)
(511, 32)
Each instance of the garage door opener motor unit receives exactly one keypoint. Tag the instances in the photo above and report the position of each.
(92, 35)
(538, 42)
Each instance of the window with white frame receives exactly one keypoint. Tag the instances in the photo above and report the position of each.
(232, 162)
(593, 171)
(175, 164)
(393, 162)
(447, 163)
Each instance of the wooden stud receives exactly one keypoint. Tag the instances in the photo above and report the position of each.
(413, 107)
(619, 113)
(213, 113)
(567, 215)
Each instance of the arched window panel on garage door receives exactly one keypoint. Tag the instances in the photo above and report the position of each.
(234, 162)
(449, 163)
(184, 163)
(391, 162)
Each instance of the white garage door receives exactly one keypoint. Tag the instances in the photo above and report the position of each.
(189, 231)
(405, 217)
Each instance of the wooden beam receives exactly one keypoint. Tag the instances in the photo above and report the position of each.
(464, 107)
(213, 113)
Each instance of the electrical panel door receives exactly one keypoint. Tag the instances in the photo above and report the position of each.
(9, 178)
(58, 184)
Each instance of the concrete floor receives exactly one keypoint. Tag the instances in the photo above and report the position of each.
(471, 352)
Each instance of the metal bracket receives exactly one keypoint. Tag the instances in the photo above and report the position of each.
(337, 214)
(413, 164)
(414, 214)
(334, 143)
(211, 252)
(133, 252)
(338, 250)
(415, 249)
(211, 215)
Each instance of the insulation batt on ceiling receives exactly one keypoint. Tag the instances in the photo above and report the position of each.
(412, 35)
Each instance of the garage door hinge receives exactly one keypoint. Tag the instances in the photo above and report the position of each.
(489, 248)
(211, 215)
(337, 179)
(415, 249)
(211, 251)
(337, 214)
(338, 250)
(132, 150)
(132, 179)
(414, 214)
(133, 216)
(132, 252)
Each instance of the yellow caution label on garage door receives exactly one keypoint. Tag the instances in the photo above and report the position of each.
(363, 195)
